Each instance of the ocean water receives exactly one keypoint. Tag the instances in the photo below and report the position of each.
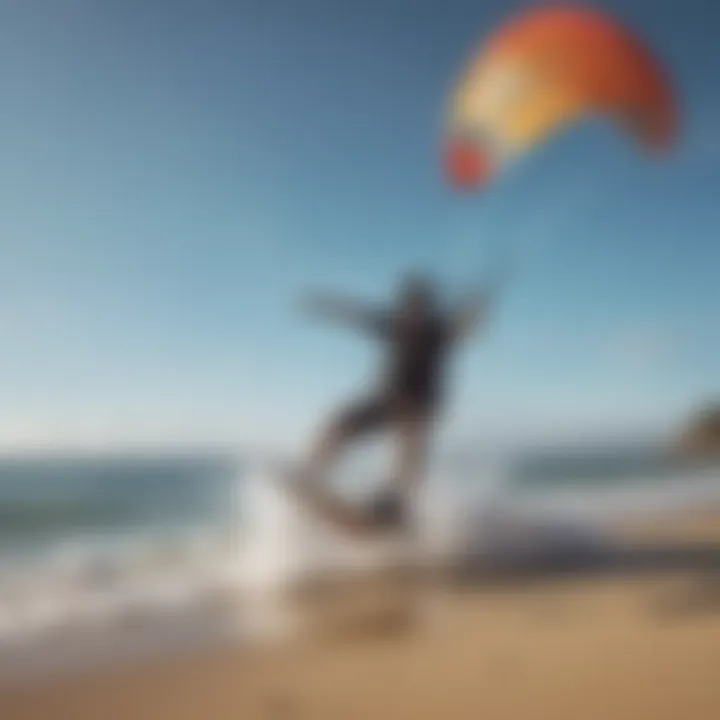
(46, 502)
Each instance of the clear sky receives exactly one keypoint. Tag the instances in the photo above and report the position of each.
(175, 172)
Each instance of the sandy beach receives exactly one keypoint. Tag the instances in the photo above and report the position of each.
(609, 646)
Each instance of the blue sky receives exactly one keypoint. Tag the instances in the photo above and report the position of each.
(174, 173)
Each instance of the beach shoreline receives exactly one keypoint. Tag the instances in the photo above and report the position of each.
(620, 645)
(593, 649)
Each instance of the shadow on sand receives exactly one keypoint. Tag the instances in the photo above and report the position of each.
(701, 560)
(582, 562)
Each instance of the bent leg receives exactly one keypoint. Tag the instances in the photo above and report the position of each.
(389, 508)
(412, 438)
(347, 427)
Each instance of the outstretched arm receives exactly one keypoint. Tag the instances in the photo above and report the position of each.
(344, 310)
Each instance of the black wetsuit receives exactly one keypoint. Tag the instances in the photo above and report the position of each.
(410, 393)
(412, 384)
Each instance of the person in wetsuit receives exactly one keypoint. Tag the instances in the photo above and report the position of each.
(418, 338)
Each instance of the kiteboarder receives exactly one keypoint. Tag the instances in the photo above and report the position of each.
(419, 338)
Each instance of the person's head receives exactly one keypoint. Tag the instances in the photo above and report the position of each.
(416, 296)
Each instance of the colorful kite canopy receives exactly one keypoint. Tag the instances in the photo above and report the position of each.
(543, 71)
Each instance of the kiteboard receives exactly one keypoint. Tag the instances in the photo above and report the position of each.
(349, 518)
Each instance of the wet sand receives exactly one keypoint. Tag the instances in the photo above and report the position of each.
(576, 649)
